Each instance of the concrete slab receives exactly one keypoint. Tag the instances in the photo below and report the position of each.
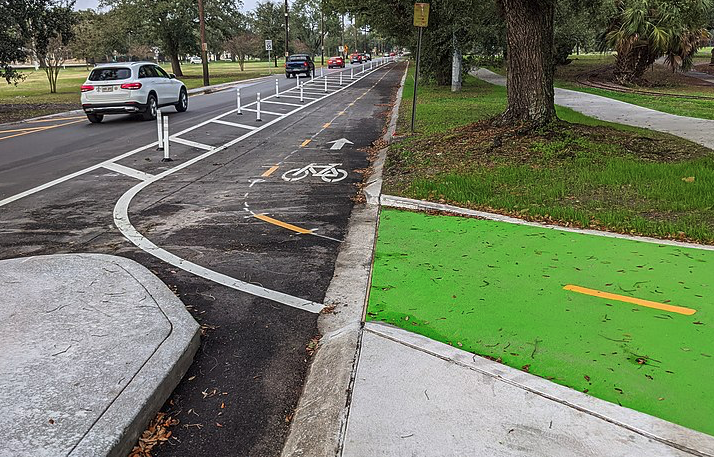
(414, 396)
(92, 345)
(610, 110)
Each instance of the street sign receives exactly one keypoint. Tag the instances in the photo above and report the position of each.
(421, 14)
(268, 45)
(347, 49)
(342, 49)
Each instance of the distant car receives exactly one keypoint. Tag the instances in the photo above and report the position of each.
(131, 88)
(299, 63)
(195, 60)
(368, 56)
(356, 58)
(337, 61)
(392, 54)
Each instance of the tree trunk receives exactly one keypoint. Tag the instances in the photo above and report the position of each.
(530, 61)
(711, 62)
(175, 65)
(456, 66)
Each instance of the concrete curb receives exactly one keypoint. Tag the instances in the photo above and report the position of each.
(320, 418)
(668, 433)
(129, 392)
(121, 425)
(423, 205)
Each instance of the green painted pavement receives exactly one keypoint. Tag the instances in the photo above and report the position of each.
(496, 289)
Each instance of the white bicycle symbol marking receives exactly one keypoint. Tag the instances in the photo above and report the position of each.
(328, 173)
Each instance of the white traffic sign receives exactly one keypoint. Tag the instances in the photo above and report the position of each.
(268, 45)
(339, 144)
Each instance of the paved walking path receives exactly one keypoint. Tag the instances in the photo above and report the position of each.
(610, 110)
(418, 397)
(91, 347)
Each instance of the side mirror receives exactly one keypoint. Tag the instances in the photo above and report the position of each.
(172, 76)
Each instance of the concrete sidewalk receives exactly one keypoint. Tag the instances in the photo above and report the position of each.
(414, 396)
(92, 345)
(610, 110)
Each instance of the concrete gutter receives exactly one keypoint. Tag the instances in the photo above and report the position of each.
(93, 345)
(320, 420)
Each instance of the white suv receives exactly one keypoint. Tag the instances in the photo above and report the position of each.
(131, 88)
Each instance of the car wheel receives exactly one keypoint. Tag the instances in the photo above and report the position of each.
(182, 104)
(95, 118)
(152, 107)
(287, 75)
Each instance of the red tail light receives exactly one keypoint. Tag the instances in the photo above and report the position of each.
(87, 88)
(304, 64)
(131, 86)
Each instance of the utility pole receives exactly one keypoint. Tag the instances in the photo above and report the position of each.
(342, 33)
(204, 45)
(287, 35)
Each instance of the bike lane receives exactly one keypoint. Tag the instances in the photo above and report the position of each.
(273, 215)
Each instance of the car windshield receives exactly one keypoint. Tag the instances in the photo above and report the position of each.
(297, 58)
(109, 74)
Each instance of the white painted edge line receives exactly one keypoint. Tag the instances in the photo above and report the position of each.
(234, 124)
(131, 172)
(123, 223)
(190, 143)
(81, 172)
(421, 205)
(654, 428)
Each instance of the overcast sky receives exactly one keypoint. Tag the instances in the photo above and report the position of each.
(248, 5)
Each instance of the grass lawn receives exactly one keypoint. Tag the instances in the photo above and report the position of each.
(582, 172)
(498, 290)
(31, 97)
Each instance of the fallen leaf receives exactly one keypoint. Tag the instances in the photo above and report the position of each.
(688, 179)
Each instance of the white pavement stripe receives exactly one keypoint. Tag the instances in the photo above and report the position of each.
(131, 172)
(53, 183)
(234, 124)
(190, 143)
(262, 111)
(281, 103)
(297, 96)
(121, 219)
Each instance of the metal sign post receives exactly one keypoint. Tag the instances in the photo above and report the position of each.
(421, 20)
(269, 47)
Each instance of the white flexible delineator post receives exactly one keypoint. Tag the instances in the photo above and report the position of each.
(302, 96)
(240, 108)
(167, 155)
(257, 108)
(277, 88)
(160, 131)
(325, 85)
(340, 78)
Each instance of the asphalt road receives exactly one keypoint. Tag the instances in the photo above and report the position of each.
(244, 225)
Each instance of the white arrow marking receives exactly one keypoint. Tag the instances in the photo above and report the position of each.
(338, 144)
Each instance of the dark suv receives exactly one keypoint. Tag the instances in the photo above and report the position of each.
(299, 63)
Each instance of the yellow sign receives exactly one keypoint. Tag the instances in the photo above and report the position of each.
(421, 14)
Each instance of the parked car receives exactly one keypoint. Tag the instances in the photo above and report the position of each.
(299, 63)
(337, 61)
(367, 56)
(195, 60)
(356, 58)
(131, 88)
